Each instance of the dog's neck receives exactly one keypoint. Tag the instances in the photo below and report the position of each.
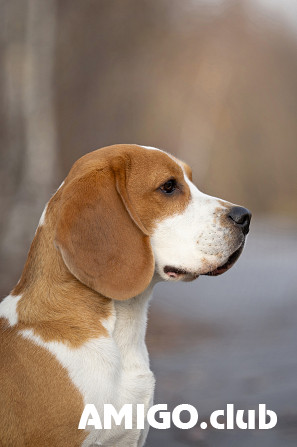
(58, 307)
(130, 328)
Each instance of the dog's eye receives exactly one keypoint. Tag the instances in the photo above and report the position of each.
(169, 187)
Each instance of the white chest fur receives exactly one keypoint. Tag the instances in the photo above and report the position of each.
(112, 369)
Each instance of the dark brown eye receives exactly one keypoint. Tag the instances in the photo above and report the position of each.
(169, 187)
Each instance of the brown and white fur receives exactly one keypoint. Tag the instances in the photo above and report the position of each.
(73, 328)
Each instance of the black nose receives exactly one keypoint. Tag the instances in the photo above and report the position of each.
(241, 217)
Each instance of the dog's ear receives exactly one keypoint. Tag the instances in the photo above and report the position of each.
(101, 240)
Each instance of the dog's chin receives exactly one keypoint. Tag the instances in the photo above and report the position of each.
(179, 274)
(227, 265)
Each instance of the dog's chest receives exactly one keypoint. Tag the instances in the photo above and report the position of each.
(122, 373)
(115, 370)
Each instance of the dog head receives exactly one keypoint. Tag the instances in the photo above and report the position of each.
(127, 212)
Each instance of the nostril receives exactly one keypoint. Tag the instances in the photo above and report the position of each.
(241, 220)
(241, 217)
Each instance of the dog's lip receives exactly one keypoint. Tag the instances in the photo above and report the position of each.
(175, 273)
(227, 265)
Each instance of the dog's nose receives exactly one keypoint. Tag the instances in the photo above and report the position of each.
(241, 217)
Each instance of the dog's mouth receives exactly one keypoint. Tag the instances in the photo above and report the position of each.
(178, 273)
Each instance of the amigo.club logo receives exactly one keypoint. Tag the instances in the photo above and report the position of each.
(158, 416)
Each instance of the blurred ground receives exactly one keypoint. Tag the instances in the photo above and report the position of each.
(231, 339)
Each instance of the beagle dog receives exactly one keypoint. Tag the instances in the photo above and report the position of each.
(73, 329)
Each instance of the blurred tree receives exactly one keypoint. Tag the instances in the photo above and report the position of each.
(29, 164)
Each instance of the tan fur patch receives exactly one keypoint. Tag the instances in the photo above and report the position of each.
(54, 303)
(39, 404)
(147, 171)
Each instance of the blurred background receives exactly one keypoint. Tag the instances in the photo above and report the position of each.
(215, 83)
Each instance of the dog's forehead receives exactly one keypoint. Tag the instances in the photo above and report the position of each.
(159, 158)
(155, 163)
(141, 161)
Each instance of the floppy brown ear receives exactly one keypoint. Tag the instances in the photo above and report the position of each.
(102, 242)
